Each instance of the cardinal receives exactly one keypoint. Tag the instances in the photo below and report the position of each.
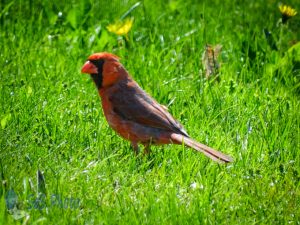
(134, 114)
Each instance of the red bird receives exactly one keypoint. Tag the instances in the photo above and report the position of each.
(132, 113)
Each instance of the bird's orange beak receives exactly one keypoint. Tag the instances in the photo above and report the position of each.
(89, 68)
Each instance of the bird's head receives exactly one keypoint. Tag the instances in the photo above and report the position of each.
(104, 68)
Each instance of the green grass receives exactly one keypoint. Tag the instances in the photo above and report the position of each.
(52, 121)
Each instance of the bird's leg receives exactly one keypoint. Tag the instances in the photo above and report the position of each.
(147, 149)
(135, 147)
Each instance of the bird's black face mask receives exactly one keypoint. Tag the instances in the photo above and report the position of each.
(98, 78)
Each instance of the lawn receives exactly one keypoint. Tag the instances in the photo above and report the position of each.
(60, 163)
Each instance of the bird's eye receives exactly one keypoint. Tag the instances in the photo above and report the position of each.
(98, 63)
(93, 61)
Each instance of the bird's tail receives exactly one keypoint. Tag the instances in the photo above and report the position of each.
(209, 152)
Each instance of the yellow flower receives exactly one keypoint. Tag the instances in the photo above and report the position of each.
(121, 27)
(287, 12)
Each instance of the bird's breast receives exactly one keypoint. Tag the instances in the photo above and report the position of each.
(109, 113)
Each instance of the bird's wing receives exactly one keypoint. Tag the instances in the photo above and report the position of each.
(131, 103)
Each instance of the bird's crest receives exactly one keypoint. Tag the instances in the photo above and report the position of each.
(103, 55)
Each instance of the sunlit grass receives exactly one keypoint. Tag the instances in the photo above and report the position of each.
(51, 118)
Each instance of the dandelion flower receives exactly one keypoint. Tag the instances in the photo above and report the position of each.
(121, 27)
(286, 12)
